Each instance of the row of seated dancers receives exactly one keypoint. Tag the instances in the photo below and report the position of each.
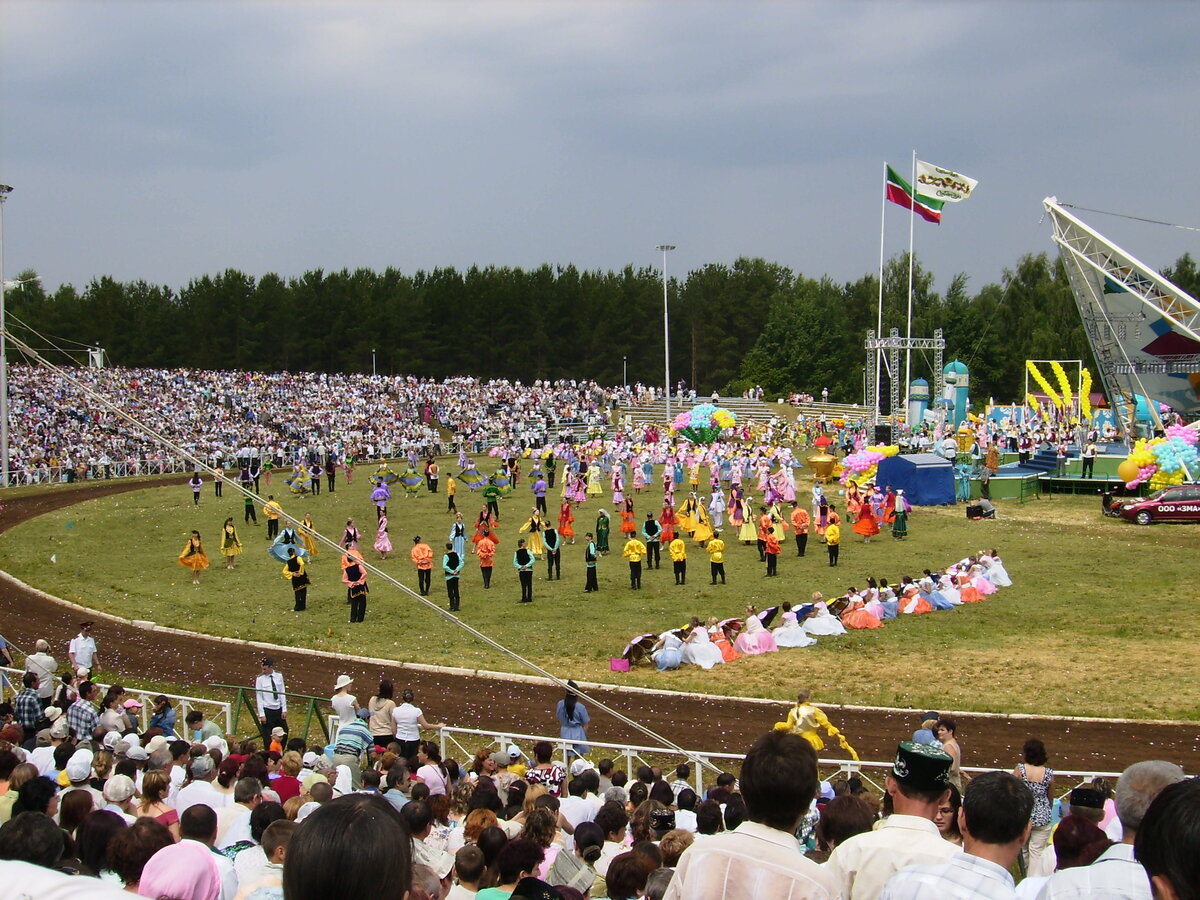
(711, 643)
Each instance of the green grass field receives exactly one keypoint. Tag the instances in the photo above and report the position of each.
(1096, 602)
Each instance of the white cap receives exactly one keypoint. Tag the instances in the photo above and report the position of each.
(79, 766)
(579, 767)
(118, 789)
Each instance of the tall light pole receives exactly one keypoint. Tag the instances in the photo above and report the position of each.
(5, 190)
(625, 372)
(372, 362)
(666, 248)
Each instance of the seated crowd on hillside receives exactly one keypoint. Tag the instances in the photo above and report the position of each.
(58, 429)
(98, 808)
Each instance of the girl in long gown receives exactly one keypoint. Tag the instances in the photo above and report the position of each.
(721, 640)
(566, 516)
(667, 652)
(929, 591)
(866, 524)
(887, 599)
(308, 534)
(703, 531)
(822, 621)
(748, 530)
(628, 524)
(383, 543)
(754, 638)
(911, 601)
(997, 574)
(698, 650)
(603, 523)
(618, 485)
(856, 616)
(790, 633)
(668, 522)
(535, 524)
(948, 588)
(966, 588)
(593, 481)
(979, 578)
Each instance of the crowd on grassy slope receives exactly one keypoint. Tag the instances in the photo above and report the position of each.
(94, 805)
(56, 427)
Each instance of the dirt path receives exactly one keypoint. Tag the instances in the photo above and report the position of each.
(715, 725)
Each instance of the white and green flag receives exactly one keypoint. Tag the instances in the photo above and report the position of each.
(942, 184)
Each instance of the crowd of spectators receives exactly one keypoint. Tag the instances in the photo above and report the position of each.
(58, 432)
(93, 804)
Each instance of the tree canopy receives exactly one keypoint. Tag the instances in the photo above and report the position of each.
(754, 322)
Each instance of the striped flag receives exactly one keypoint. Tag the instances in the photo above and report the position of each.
(899, 191)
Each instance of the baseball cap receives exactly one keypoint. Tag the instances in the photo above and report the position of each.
(79, 766)
(579, 767)
(118, 789)
(514, 752)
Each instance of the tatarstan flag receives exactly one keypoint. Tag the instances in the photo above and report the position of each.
(899, 191)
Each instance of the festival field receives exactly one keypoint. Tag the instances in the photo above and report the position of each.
(1101, 620)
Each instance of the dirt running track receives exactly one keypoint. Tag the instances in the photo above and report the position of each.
(716, 725)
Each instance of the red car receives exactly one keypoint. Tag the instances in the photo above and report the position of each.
(1179, 503)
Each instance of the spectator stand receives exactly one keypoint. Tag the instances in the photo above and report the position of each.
(215, 710)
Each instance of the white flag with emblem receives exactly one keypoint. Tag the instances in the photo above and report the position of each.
(942, 184)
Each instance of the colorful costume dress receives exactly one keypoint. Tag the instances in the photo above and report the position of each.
(866, 524)
(857, 616)
(383, 543)
(230, 545)
(287, 538)
(823, 622)
(698, 650)
(534, 525)
(300, 481)
(566, 516)
(791, 634)
(721, 641)
(381, 495)
(668, 522)
(748, 530)
(296, 572)
(193, 556)
(602, 526)
(628, 525)
(308, 532)
(472, 477)
(593, 481)
(411, 479)
(805, 719)
(754, 638)
(384, 475)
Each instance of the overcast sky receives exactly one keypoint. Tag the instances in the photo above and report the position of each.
(165, 140)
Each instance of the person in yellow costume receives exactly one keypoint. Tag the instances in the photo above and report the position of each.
(805, 719)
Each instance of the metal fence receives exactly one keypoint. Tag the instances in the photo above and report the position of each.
(220, 711)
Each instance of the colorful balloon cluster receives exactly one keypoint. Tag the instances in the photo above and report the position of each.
(860, 467)
(704, 423)
(1163, 461)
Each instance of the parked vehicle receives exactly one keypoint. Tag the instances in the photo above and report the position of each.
(1178, 503)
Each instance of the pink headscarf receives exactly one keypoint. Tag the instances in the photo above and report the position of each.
(187, 870)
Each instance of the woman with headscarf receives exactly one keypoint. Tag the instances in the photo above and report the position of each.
(187, 870)
(354, 576)
(572, 720)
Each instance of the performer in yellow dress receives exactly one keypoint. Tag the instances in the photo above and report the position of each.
(805, 719)
(308, 530)
(230, 545)
(193, 557)
(534, 526)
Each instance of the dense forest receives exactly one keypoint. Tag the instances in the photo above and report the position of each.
(754, 322)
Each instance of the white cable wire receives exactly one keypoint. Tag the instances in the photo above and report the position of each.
(200, 465)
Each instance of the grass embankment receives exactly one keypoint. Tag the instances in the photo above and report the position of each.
(1100, 620)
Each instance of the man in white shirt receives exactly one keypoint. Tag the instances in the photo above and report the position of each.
(918, 784)
(272, 701)
(82, 651)
(994, 820)
(233, 822)
(761, 857)
(43, 665)
(1116, 874)
(200, 790)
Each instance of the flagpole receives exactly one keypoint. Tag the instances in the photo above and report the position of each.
(879, 317)
(912, 216)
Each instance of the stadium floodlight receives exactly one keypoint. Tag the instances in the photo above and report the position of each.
(5, 190)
